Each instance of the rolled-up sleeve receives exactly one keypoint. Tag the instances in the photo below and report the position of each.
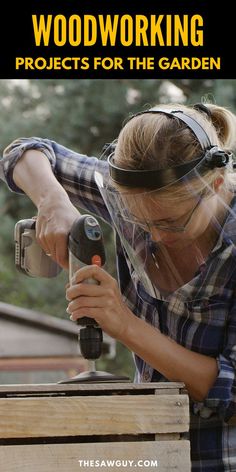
(74, 171)
(221, 397)
(14, 152)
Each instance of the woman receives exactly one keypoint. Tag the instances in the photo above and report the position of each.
(168, 190)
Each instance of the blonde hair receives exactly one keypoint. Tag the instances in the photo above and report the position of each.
(157, 141)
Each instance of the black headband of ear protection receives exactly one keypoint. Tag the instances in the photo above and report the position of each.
(212, 157)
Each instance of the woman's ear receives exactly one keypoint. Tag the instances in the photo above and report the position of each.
(218, 182)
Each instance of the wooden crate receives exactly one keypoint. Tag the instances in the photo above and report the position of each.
(78, 428)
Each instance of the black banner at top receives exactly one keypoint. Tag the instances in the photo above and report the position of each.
(94, 39)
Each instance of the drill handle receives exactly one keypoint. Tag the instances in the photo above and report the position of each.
(74, 265)
(86, 321)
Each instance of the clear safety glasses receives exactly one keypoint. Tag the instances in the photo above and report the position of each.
(178, 225)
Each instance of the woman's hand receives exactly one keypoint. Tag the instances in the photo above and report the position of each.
(56, 214)
(53, 224)
(102, 302)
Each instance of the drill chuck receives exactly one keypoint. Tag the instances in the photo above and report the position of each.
(91, 342)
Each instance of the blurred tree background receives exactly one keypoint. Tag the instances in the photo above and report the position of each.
(82, 115)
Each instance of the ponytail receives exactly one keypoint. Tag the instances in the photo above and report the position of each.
(224, 122)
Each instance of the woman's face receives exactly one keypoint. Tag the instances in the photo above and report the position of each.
(172, 223)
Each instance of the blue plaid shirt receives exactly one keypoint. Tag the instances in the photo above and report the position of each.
(205, 323)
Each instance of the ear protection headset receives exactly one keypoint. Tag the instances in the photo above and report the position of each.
(212, 156)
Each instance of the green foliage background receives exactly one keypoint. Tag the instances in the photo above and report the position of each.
(82, 115)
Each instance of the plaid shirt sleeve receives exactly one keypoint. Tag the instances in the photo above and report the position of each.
(221, 397)
(74, 171)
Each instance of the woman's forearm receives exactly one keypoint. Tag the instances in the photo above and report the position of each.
(56, 214)
(175, 362)
(33, 175)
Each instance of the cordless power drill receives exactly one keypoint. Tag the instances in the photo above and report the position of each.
(85, 244)
(85, 248)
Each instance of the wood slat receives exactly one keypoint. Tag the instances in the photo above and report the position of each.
(93, 415)
(67, 388)
(170, 455)
(31, 388)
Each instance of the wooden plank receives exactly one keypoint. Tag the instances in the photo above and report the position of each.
(167, 391)
(166, 456)
(93, 415)
(167, 437)
(71, 388)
